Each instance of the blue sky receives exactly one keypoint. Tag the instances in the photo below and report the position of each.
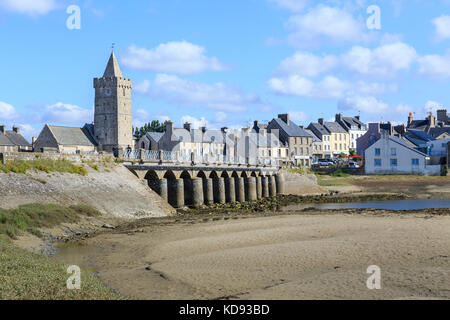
(225, 63)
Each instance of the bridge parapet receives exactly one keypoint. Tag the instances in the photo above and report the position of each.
(173, 157)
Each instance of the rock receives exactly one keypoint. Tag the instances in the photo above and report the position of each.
(108, 226)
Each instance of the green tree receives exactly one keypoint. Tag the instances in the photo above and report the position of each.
(154, 126)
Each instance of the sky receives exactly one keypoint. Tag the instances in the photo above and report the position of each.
(225, 63)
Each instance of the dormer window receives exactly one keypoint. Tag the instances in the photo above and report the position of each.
(108, 92)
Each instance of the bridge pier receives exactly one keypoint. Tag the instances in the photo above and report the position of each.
(240, 189)
(251, 189)
(220, 191)
(230, 190)
(265, 186)
(197, 193)
(280, 183)
(258, 188)
(272, 186)
(208, 191)
(176, 193)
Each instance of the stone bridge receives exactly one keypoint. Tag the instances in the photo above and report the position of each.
(195, 185)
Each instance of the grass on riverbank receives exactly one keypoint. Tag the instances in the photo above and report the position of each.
(31, 217)
(28, 276)
(45, 165)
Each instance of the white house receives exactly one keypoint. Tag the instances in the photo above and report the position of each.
(392, 155)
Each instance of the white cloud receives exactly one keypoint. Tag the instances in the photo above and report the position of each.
(196, 123)
(293, 5)
(29, 7)
(369, 105)
(142, 87)
(442, 27)
(298, 116)
(435, 66)
(174, 57)
(384, 60)
(215, 96)
(7, 111)
(324, 23)
(67, 113)
(308, 64)
(328, 88)
(432, 106)
(220, 117)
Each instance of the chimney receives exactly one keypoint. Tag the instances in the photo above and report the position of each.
(442, 115)
(339, 117)
(410, 119)
(358, 118)
(16, 129)
(188, 126)
(33, 140)
(203, 129)
(321, 121)
(224, 129)
(2, 128)
(432, 120)
(302, 127)
(284, 117)
(169, 127)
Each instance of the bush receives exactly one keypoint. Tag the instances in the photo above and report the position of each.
(339, 173)
(44, 165)
(31, 217)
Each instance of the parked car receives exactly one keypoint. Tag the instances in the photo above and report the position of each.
(353, 165)
(325, 162)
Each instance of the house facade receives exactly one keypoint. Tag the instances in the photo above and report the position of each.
(322, 133)
(354, 127)
(299, 142)
(393, 155)
(13, 141)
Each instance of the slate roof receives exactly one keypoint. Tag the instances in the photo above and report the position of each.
(17, 139)
(315, 138)
(334, 127)
(406, 144)
(352, 121)
(417, 124)
(320, 128)
(197, 135)
(156, 136)
(4, 141)
(72, 136)
(436, 132)
(291, 129)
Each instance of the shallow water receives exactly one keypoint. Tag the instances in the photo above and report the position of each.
(388, 205)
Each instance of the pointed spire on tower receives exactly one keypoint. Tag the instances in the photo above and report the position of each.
(112, 69)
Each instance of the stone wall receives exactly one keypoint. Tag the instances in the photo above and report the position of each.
(75, 158)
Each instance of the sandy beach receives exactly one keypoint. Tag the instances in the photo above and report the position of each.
(297, 256)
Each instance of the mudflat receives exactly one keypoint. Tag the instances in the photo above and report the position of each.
(296, 256)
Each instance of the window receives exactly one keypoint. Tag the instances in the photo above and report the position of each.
(340, 146)
(393, 152)
(393, 162)
(335, 146)
(377, 162)
(301, 150)
(415, 162)
(377, 152)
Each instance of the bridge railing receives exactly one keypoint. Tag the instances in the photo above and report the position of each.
(177, 157)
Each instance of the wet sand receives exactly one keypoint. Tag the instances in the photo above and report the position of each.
(317, 256)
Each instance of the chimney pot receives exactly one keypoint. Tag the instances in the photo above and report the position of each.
(322, 121)
(284, 117)
(2, 128)
(16, 129)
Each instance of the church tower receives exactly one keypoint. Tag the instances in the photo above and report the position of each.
(113, 116)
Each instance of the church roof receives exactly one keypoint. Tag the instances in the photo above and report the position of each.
(72, 136)
(112, 68)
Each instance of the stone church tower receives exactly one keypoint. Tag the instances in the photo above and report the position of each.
(113, 116)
